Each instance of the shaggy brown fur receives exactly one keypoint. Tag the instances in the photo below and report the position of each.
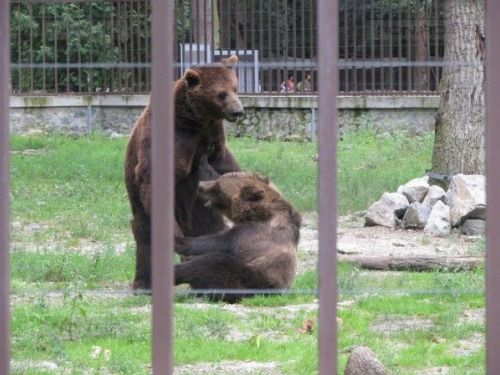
(258, 252)
(203, 98)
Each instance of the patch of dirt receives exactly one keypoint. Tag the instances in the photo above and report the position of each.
(354, 238)
(230, 368)
(469, 345)
(244, 311)
(444, 370)
(387, 324)
(473, 316)
(47, 366)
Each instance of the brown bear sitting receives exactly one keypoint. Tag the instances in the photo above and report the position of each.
(203, 97)
(258, 252)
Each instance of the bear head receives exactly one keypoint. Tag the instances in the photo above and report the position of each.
(213, 90)
(243, 196)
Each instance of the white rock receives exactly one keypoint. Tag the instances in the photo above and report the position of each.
(466, 198)
(434, 194)
(416, 216)
(385, 211)
(416, 189)
(438, 223)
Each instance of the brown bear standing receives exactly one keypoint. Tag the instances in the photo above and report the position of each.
(258, 252)
(203, 97)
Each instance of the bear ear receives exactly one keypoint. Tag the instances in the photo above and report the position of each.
(193, 78)
(251, 193)
(230, 61)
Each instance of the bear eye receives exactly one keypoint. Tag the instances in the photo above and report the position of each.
(222, 95)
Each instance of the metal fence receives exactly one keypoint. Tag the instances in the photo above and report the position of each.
(328, 68)
(90, 46)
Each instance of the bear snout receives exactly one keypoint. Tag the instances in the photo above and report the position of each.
(237, 113)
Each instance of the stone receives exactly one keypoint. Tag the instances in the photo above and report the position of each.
(473, 227)
(416, 216)
(466, 198)
(385, 211)
(363, 361)
(438, 223)
(416, 189)
(435, 193)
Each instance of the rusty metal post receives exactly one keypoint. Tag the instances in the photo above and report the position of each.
(4, 189)
(162, 185)
(492, 188)
(327, 200)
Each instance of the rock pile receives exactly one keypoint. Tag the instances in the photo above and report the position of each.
(417, 205)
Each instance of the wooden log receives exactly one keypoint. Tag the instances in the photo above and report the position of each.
(412, 263)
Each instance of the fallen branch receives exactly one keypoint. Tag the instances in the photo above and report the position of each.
(412, 263)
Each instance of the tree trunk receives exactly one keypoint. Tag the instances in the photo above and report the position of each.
(412, 263)
(460, 123)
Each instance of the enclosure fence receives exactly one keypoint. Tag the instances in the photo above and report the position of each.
(104, 47)
(163, 64)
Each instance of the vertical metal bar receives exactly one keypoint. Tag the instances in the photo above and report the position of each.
(139, 46)
(44, 78)
(390, 56)
(417, 47)
(67, 48)
(303, 38)
(190, 34)
(119, 85)
(245, 46)
(363, 43)
(198, 30)
(132, 49)
(400, 49)
(56, 80)
(269, 47)
(285, 41)
(4, 188)
(212, 29)
(408, 49)
(312, 35)
(372, 35)
(382, 44)
(278, 49)
(182, 39)
(19, 49)
(346, 46)
(253, 33)
(354, 47)
(79, 47)
(294, 42)
(147, 42)
(163, 187)
(492, 187)
(126, 34)
(261, 40)
(222, 21)
(436, 42)
(327, 199)
(90, 71)
(205, 28)
(112, 49)
(32, 75)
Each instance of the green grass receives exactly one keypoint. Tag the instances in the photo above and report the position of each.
(68, 195)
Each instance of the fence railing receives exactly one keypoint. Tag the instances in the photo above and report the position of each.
(91, 46)
(163, 349)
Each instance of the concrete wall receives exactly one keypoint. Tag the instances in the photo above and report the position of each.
(285, 117)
